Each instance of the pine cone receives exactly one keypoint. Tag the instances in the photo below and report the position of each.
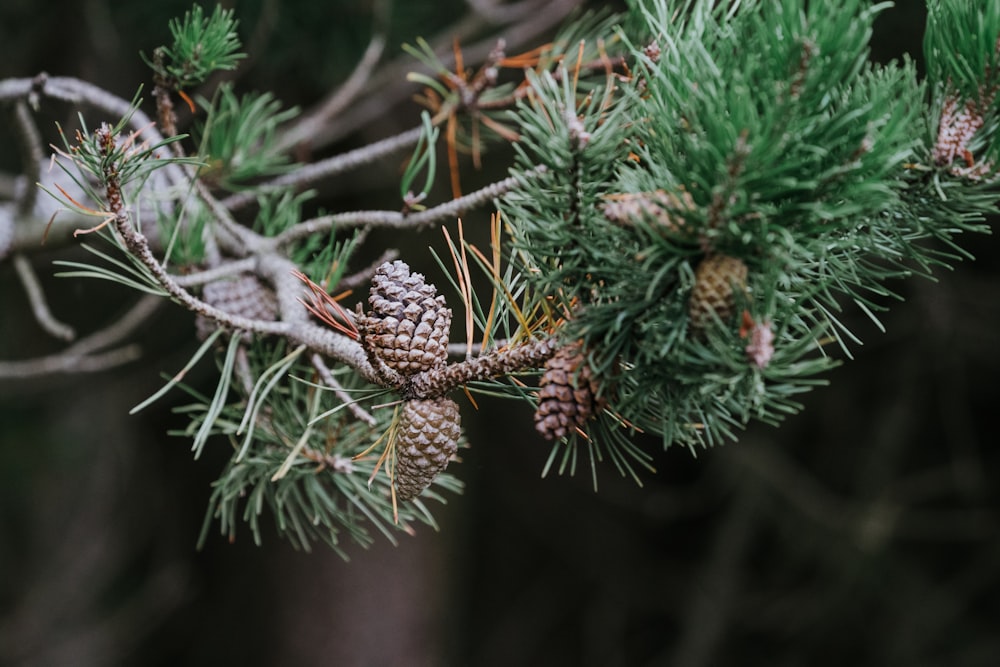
(664, 208)
(716, 279)
(407, 327)
(567, 394)
(426, 439)
(244, 295)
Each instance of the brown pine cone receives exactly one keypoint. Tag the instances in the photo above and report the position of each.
(567, 394)
(245, 295)
(408, 324)
(426, 439)
(716, 280)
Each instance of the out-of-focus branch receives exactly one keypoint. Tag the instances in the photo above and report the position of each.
(120, 329)
(7, 231)
(312, 122)
(32, 153)
(78, 93)
(363, 277)
(36, 298)
(526, 22)
(500, 13)
(797, 486)
(76, 609)
(69, 363)
(83, 356)
(335, 103)
(717, 589)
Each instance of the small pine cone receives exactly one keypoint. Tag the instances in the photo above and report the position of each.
(716, 279)
(407, 327)
(244, 295)
(663, 208)
(760, 347)
(567, 394)
(426, 439)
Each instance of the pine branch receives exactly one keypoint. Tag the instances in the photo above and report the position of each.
(694, 205)
(329, 167)
(509, 361)
(397, 220)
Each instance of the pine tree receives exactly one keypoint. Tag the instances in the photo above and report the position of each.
(699, 190)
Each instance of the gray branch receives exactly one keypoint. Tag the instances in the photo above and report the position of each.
(36, 298)
(329, 167)
(396, 219)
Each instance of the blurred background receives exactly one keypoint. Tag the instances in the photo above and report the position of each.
(865, 531)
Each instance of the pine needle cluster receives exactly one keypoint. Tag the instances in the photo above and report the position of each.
(758, 132)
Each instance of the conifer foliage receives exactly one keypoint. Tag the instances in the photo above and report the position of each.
(699, 190)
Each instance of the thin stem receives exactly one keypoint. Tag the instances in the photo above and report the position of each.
(338, 389)
(119, 329)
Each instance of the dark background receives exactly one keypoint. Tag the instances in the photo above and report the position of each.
(865, 531)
